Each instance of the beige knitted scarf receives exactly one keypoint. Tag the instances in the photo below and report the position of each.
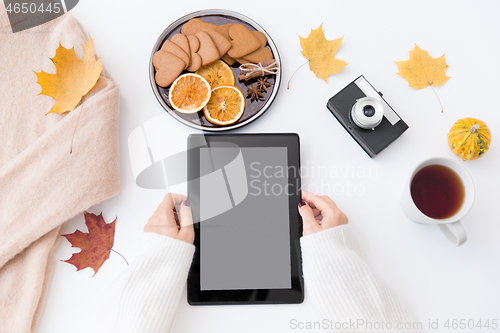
(42, 185)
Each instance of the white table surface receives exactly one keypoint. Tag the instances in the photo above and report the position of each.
(433, 279)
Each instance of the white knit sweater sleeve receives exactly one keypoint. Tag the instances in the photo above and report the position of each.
(343, 288)
(146, 296)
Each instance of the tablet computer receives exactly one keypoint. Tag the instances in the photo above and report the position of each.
(244, 190)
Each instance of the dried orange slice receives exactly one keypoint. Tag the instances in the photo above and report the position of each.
(189, 93)
(218, 73)
(226, 105)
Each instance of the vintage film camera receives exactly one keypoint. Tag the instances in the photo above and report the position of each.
(365, 114)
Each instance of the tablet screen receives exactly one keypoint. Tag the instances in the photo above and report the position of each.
(244, 218)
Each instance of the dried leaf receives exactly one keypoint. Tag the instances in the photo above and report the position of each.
(96, 244)
(421, 70)
(321, 53)
(74, 78)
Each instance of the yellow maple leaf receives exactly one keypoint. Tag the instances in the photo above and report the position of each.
(73, 79)
(421, 70)
(321, 53)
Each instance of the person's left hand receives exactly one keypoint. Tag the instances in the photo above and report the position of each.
(173, 218)
(319, 213)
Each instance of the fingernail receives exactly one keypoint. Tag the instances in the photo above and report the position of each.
(301, 203)
(186, 203)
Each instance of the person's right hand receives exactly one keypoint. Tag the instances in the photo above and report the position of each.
(319, 213)
(173, 218)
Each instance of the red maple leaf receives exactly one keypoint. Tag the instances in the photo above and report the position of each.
(96, 244)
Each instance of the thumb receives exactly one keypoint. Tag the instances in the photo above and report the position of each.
(185, 215)
(186, 233)
(309, 223)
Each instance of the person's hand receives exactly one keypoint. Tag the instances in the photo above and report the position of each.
(173, 218)
(319, 213)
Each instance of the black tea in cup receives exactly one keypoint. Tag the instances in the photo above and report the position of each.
(437, 191)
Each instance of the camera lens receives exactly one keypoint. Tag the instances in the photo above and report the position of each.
(368, 110)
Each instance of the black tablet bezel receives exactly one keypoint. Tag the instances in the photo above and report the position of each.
(295, 294)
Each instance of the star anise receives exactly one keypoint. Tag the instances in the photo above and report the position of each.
(254, 92)
(263, 84)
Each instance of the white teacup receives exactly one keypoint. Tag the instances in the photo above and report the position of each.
(451, 227)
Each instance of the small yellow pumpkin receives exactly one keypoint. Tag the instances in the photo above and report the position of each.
(469, 138)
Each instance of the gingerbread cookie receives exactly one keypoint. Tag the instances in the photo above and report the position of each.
(176, 50)
(208, 51)
(223, 30)
(261, 37)
(168, 67)
(221, 43)
(243, 41)
(228, 60)
(182, 41)
(194, 25)
(194, 43)
(262, 54)
(195, 63)
(194, 46)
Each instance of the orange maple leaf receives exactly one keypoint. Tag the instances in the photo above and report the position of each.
(421, 70)
(74, 77)
(321, 53)
(96, 244)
